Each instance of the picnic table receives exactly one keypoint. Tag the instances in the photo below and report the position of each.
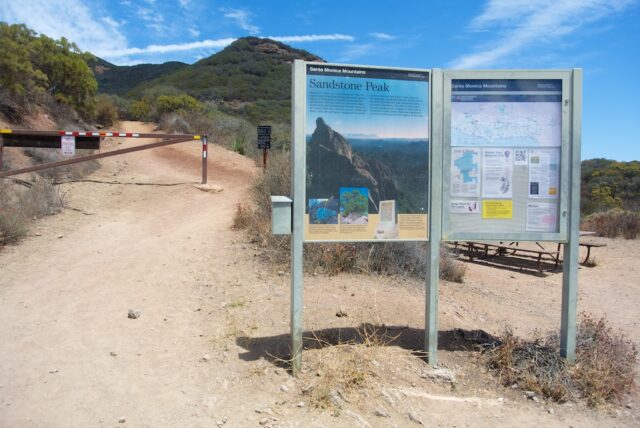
(539, 254)
(489, 249)
(588, 243)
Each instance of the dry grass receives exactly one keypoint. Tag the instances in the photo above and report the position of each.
(72, 172)
(451, 269)
(604, 371)
(336, 370)
(385, 258)
(614, 223)
(241, 217)
(19, 204)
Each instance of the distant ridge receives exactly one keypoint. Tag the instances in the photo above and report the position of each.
(251, 76)
(119, 79)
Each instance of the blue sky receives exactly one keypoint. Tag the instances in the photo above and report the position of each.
(600, 36)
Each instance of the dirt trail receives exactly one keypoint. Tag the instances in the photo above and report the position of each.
(211, 315)
(66, 290)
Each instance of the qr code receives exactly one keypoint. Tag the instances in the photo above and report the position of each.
(520, 155)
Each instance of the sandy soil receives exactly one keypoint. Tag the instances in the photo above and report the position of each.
(212, 315)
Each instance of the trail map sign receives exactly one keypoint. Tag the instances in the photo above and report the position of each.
(367, 153)
(504, 139)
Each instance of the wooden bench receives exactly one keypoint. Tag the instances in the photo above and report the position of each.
(512, 249)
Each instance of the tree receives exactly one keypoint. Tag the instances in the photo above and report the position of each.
(31, 65)
(353, 202)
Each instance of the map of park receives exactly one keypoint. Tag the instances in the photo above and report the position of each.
(500, 124)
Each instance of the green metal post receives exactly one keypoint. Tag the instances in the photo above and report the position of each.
(297, 237)
(435, 219)
(570, 262)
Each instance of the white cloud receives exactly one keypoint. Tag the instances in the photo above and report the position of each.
(71, 19)
(312, 38)
(123, 56)
(382, 36)
(153, 19)
(175, 47)
(184, 3)
(356, 51)
(193, 31)
(242, 18)
(109, 21)
(522, 23)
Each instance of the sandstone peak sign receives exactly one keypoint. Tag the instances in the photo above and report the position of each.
(367, 153)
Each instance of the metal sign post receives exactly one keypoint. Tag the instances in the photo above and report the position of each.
(205, 156)
(435, 230)
(298, 119)
(571, 248)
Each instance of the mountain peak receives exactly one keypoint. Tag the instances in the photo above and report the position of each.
(262, 48)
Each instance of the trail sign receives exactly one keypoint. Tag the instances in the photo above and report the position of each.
(498, 159)
(264, 136)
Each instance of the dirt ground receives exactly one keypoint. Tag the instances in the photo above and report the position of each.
(212, 317)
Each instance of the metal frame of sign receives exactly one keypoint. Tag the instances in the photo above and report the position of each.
(448, 234)
(439, 160)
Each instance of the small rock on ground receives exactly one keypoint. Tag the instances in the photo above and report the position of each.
(133, 314)
(211, 188)
(381, 412)
(439, 375)
(414, 417)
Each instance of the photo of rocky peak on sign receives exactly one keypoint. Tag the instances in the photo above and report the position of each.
(389, 168)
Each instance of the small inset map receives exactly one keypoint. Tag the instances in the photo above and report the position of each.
(465, 172)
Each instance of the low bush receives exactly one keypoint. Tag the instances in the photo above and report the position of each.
(19, 204)
(106, 111)
(451, 269)
(613, 223)
(604, 370)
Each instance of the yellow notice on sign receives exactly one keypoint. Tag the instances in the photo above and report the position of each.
(497, 208)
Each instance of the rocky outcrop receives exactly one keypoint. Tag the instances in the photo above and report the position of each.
(332, 163)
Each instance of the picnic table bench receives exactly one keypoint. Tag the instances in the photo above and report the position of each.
(590, 243)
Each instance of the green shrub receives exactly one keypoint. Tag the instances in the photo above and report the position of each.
(106, 111)
(140, 110)
(176, 103)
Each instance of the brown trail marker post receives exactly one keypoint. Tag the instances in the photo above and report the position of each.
(264, 142)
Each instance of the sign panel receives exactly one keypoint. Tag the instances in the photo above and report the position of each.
(503, 151)
(264, 137)
(68, 145)
(367, 153)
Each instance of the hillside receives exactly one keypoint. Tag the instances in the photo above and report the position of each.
(118, 80)
(252, 77)
(610, 184)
